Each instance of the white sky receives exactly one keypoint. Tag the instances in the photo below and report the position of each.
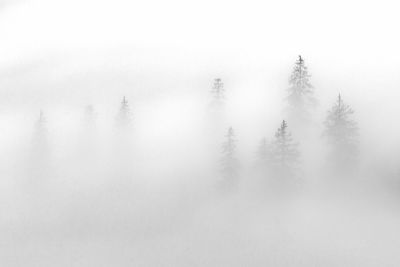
(55, 50)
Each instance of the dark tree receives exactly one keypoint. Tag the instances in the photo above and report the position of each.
(341, 132)
(300, 93)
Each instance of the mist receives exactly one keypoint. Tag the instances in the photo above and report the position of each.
(199, 134)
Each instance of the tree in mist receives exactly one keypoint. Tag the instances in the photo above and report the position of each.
(229, 162)
(40, 134)
(300, 93)
(342, 133)
(216, 110)
(217, 101)
(218, 92)
(90, 116)
(124, 115)
(38, 165)
(284, 157)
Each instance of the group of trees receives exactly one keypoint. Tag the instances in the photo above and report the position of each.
(281, 156)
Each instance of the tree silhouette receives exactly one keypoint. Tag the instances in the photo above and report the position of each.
(300, 93)
(342, 134)
(229, 163)
(284, 152)
(218, 91)
(124, 115)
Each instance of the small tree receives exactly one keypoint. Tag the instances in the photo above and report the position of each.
(284, 155)
(342, 134)
(216, 108)
(300, 93)
(39, 158)
(124, 115)
(218, 91)
(229, 163)
(40, 133)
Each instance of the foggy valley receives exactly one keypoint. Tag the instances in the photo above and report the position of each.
(213, 135)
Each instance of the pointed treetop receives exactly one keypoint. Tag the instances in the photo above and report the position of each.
(301, 60)
(218, 89)
(124, 101)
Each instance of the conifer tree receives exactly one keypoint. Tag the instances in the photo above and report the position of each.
(342, 134)
(124, 115)
(300, 93)
(218, 92)
(40, 133)
(216, 109)
(39, 160)
(229, 163)
(284, 155)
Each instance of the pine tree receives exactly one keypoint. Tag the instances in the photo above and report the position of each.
(124, 115)
(342, 132)
(285, 154)
(229, 162)
(218, 91)
(216, 108)
(300, 93)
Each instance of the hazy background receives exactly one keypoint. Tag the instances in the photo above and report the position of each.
(60, 56)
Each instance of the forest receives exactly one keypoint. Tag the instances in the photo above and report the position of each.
(193, 185)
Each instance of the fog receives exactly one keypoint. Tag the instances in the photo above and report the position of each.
(194, 134)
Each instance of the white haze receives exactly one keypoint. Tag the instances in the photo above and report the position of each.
(103, 198)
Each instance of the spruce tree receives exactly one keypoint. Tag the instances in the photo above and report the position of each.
(218, 92)
(229, 163)
(284, 155)
(216, 109)
(40, 133)
(124, 115)
(342, 134)
(300, 93)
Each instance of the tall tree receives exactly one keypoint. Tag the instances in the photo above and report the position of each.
(342, 134)
(229, 162)
(284, 151)
(300, 93)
